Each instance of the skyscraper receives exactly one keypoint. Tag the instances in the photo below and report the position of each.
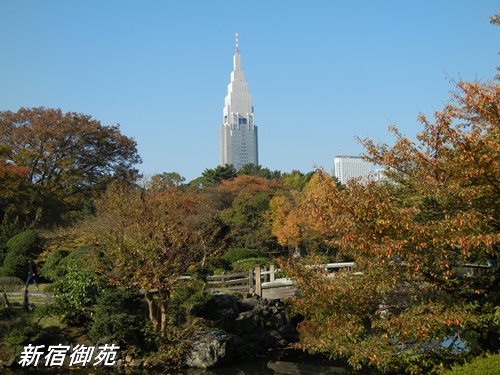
(238, 134)
(348, 167)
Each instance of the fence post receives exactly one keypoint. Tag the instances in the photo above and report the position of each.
(271, 272)
(258, 284)
(250, 281)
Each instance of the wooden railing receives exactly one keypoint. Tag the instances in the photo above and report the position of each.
(241, 281)
(254, 281)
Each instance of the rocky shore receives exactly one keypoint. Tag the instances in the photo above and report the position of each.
(248, 327)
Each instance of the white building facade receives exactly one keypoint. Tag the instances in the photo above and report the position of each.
(349, 167)
(238, 133)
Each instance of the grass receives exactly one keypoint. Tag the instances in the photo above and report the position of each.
(489, 365)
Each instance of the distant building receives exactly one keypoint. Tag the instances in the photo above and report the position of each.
(238, 134)
(349, 167)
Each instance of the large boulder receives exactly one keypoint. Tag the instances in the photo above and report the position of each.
(210, 349)
(248, 327)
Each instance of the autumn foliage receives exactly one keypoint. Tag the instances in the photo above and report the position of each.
(147, 240)
(66, 158)
(411, 305)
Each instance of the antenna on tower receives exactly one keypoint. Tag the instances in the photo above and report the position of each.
(237, 48)
(340, 152)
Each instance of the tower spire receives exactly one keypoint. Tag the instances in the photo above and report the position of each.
(237, 48)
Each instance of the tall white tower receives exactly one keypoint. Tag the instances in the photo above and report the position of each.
(238, 134)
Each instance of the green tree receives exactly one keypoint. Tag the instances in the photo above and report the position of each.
(68, 157)
(408, 237)
(257, 170)
(296, 180)
(247, 200)
(165, 180)
(213, 177)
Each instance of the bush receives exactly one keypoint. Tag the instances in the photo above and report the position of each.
(56, 266)
(246, 264)
(21, 248)
(50, 269)
(27, 242)
(119, 316)
(77, 293)
(235, 255)
(10, 284)
(77, 256)
(189, 299)
(489, 365)
(20, 331)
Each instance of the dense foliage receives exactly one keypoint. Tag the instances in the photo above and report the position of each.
(53, 162)
(421, 296)
(21, 248)
(409, 237)
(148, 239)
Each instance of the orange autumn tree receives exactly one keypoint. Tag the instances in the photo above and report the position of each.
(409, 237)
(290, 222)
(69, 159)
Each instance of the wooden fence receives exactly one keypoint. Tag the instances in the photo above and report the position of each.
(264, 282)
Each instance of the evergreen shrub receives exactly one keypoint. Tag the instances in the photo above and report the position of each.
(237, 254)
(50, 269)
(250, 263)
(118, 315)
(21, 248)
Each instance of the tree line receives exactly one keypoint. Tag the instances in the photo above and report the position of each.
(411, 306)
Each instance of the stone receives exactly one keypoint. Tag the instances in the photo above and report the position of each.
(246, 328)
(210, 349)
(247, 304)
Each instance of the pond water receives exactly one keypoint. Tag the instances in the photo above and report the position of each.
(289, 362)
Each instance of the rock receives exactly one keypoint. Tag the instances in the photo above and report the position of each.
(224, 308)
(247, 304)
(136, 363)
(210, 349)
(247, 328)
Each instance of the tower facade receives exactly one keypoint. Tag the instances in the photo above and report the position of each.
(348, 167)
(238, 133)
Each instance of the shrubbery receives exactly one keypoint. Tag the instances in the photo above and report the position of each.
(479, 366)
(234, 255)
(21, 248)
(189, 299)
(249, 263)
(10, 284)
(50, 269)
(119, 315)
(77, 293)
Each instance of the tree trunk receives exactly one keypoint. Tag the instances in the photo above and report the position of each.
(153, 309)
(164, 302)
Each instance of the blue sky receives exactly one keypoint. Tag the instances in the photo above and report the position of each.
(320, 72)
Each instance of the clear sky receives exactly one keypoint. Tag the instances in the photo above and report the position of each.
(320, 72)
